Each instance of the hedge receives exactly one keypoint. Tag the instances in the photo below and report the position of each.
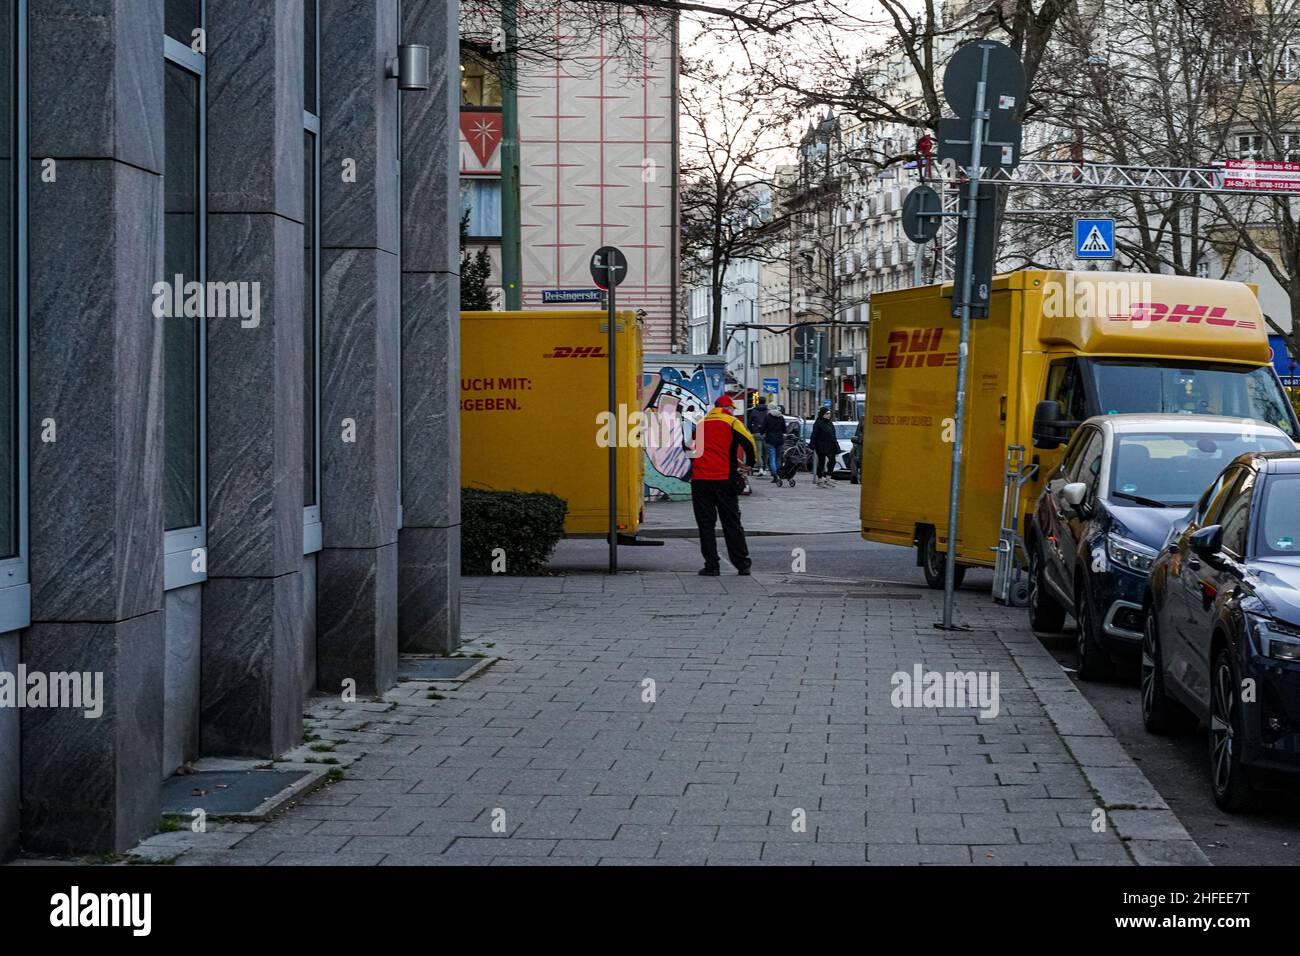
(527, 525)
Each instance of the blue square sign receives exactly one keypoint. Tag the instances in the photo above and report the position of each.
(1094, 238)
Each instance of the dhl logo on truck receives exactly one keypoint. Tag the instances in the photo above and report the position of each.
(919, 349)
(1143, 313)
(576, 351)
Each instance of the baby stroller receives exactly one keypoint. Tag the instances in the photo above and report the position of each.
(794, 456)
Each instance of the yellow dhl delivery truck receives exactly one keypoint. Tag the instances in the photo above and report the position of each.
(1056, 348)
(534, 393)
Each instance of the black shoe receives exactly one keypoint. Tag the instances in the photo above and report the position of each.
(743, 572)
(709, 572)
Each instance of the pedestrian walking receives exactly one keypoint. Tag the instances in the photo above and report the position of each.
(774, 439)
(721, 442)
(755, 419)
(826, 446)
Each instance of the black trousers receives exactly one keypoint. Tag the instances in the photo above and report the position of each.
(713, 500)
(825, 465)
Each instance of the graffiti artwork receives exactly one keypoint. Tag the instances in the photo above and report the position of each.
(679, 398)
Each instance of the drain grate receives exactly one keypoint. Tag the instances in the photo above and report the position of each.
(437, 668)
(220, 792)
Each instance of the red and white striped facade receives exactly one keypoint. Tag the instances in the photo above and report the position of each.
(598, 165)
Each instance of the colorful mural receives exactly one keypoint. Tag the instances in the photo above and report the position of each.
(680, 395)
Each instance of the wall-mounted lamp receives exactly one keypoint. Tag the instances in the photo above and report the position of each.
(410, 67)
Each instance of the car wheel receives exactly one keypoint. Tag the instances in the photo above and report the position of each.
(933, 562)
(1045, 614)
(1161, 714)
(1094, 662)
(1229, 779)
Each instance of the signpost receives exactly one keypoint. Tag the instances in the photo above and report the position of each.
(771, 386)
(984, 84)
(608, 270)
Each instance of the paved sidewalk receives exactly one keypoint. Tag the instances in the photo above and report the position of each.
(772, 707)
(803, 509)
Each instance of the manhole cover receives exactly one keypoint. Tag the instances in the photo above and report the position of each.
(436, 668)
(225, 791)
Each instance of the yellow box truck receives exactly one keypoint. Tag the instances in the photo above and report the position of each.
(1056, 348)
(534, 397)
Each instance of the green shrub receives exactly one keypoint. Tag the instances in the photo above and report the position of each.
(526, 525)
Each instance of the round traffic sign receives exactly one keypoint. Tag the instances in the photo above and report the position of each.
(608, 267)
(1004, 80)
(917, 225)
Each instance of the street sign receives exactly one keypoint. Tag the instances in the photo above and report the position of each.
(568, 296)
(986, 235)
(1259, 176)
(1094, 238)
(771, 386)
(605, 261)
(1005, 82)
(1000, 145)
(917, 225)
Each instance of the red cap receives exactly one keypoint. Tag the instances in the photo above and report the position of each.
(724, 401)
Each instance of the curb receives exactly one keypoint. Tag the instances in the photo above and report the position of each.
(1141, 817)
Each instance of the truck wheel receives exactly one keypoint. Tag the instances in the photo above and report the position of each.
(1044, 613)
(932, 562)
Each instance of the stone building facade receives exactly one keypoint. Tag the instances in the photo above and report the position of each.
(229, 425)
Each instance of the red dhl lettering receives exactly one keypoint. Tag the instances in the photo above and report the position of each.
(1149, 312)
(576, 351)
(919, 349)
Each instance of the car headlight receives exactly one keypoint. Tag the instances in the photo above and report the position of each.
(1276, 640)
(1129, 554)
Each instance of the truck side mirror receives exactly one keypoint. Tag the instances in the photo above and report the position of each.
(1049, 430)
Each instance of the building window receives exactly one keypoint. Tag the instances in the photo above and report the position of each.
(184, 352)
(311, 523)
(15, 604)
(480, 196)
(1250, 146)
(480, 84)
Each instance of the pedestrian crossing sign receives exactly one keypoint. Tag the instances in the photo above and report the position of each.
(1094, 238)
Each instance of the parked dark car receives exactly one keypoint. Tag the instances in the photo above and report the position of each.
(1222, 625)
(1124, 482)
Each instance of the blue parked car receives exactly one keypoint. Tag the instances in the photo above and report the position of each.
(1124, 483)
(1222, 634)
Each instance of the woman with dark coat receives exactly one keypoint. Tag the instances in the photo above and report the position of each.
(826, 446)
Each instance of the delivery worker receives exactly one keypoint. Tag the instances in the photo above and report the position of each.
(721, 440)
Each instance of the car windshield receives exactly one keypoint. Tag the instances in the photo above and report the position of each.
(1279, 518)
(1175, 468)
(1234, 391)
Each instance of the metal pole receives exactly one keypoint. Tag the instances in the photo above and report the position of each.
(968, 275)
(612, 282)
(511, 255)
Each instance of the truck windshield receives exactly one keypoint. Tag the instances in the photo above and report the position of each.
(1172, 469)
(1234, 391)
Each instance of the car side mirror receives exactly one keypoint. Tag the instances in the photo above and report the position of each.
(1207, 544)
(1075, 497)
(1050, 431)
